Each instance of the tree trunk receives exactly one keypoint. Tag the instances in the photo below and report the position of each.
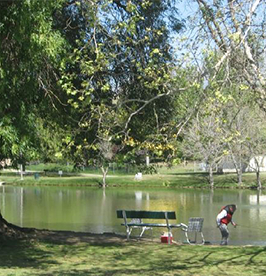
(238, 166)
(104, 171)
(239, 176)
(258, 174)
(258, 180)
(10, 230)
(211, 181)
(21, 172)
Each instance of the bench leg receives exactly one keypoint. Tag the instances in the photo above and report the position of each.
(128, 232)
(169, 235)
(142, 231)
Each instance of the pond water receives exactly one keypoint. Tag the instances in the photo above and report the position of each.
(89, 209)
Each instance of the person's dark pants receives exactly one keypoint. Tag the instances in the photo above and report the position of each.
(225, 234)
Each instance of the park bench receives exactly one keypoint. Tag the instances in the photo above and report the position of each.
(137, 218)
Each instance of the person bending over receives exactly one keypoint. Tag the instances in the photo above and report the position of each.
(223, 219)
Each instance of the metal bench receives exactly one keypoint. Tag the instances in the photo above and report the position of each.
(138, 216)
(194, 225)
(135, 222)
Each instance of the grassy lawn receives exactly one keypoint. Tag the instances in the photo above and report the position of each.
(179, 176)
(129, 258)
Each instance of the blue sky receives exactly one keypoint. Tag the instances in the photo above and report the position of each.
(187, 7)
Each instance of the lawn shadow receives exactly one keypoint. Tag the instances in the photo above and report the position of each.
(23, 253)
(188, 173)
(229, 257)
(71, 238)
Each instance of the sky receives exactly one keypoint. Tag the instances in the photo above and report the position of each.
(187, 8)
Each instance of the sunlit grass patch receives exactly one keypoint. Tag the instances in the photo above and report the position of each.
(132, 258)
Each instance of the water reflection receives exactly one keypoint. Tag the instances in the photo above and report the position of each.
(257, 199)
(94, 210)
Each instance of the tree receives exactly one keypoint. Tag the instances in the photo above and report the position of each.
(30, 52)
(236, 133)
(230, 56)
(229, 127)
(203, 139)
(29, 49)
(210, 152)
(119, 74)
(256, 143)
(235, 31)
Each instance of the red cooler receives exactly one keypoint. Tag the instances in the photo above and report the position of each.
(165, 238)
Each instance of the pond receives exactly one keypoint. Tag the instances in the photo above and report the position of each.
(89, 209)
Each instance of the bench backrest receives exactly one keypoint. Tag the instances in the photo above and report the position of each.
(146, 214)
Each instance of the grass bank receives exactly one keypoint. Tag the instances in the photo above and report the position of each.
(129, 258)
(179, 177)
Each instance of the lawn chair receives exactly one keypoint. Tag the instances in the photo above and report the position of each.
(194, 225)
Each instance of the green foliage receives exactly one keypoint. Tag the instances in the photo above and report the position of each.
(117, 78)
(50, 167)
(29, 51)
(152, 169)
(50, 136)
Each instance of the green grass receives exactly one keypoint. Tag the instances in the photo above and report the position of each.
(52, 167)
(130, 258)
(179, 176)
